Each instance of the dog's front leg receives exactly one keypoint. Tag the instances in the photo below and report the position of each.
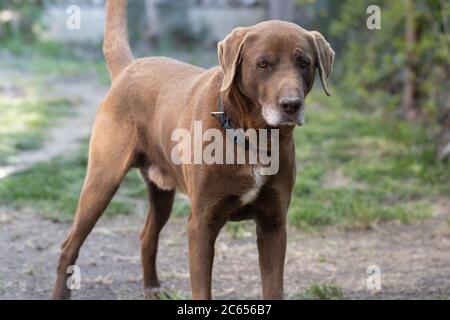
(202, 237)
(271, 239)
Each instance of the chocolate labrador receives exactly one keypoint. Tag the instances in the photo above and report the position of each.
(265, 73)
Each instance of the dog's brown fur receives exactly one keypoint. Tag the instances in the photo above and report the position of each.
(149, 98)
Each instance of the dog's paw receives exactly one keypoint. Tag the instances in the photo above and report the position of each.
(156, 294)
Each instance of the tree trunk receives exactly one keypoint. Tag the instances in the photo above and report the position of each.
(410, 92)
(152, 21)
(443, 97)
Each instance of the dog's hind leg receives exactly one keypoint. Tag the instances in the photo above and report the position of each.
(110, 158)
(160, 206)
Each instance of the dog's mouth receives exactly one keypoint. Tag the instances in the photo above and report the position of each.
(298, 120)
(276, 118)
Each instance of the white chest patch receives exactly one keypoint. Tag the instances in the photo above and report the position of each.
(252, 194)
(260, 179)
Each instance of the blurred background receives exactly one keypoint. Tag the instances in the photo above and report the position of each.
(373, 183)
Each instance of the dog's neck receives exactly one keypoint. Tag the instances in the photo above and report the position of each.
(241, 110)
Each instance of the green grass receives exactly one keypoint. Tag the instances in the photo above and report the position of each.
(171, 295)
(238, 230)
(54, 59)
(317, 291)
(24, 120)
(387, 169)
(181, 208)
(26, 114)
(52, 188)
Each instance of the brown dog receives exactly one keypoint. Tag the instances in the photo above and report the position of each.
(265, 73)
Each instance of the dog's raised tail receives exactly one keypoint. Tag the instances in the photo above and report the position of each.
(116, 46)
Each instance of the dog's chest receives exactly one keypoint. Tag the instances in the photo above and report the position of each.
(252, 194)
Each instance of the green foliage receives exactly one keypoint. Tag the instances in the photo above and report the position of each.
(317, 291)
(136, 21)
(25, 23)
(371, 63)
(24, 120)
(177, 32)
(239, 230)
(181, 208)
(357, 168)
(171, 295)
(387, 164)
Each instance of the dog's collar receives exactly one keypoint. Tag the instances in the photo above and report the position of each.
(222, 116)
(226, 124)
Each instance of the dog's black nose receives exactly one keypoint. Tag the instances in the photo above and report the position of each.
(290, 105)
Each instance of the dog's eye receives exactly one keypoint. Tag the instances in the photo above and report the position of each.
(303, 63)
(263, 64)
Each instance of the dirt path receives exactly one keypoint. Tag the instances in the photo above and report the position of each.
(414, 260)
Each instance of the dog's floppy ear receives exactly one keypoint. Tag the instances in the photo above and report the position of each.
(229, 51)
(324, 58)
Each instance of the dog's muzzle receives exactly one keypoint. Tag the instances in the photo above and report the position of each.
(292, 111)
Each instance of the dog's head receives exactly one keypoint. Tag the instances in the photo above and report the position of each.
(274, 64)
